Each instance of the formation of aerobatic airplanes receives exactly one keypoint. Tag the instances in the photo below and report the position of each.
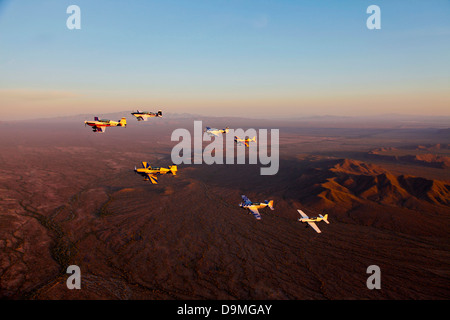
(216, 132)
(99, 125)
(253, 207)
(151, 173)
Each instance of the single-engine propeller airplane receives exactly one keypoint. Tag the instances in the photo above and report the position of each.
(244, 141)
(100, 125)
(144, 115)
(215, 132)
(151, 173)
(253, 207)
(312, 221)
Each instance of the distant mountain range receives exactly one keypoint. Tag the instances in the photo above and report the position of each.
(387, 120)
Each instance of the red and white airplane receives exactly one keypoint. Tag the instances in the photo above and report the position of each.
(100, 125)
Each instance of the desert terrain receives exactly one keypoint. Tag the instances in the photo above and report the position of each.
(69, 196)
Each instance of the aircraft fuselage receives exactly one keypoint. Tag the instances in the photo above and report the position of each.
(145, 171)
(256, 205)
(144, 115)
(103, 124)
(310, 219)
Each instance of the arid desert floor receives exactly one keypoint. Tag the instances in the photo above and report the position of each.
(69, 196)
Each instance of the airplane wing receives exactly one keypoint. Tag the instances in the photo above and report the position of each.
(255, 212)
(153, 178)
(100, 128)
(302, 214)
(211, 132)
(246, 144)
(246, 200)
(314, 226)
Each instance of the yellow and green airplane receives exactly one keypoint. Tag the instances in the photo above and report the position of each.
(99, 125)
(151, 173)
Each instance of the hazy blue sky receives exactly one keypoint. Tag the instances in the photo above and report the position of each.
(217, 57)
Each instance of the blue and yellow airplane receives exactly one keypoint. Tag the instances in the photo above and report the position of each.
(144, 115)
(253, 207)
(151, 173)
(100, 125)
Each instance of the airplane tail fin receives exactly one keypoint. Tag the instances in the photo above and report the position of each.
(269, 203)
(325, 218)
(123, 122)
(159, 113)
(254, 139)
(173, 169)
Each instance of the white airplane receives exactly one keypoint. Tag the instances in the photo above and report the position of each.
(144, 115)
(215, 132)
(311, 221)
(254, 206)
(99, 125)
